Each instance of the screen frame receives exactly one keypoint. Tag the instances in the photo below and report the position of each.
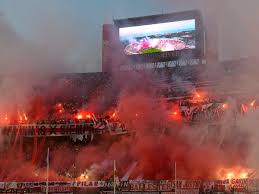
(196, 53)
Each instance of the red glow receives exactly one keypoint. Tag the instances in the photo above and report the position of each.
(199, 97)
(6, 118)
(244, 108)
(59, 108)
(84, 115)
(234, 173)
(83, 177)
(225, 106)
(175, 115)
(113, 115)
(25, 117)
(79, 116)
(252, 103)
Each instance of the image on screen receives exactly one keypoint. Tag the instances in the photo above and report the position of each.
(156, 38)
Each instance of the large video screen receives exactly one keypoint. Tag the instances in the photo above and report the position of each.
(158, 38)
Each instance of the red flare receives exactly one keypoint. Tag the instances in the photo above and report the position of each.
(113, 115)
(175, 115)
(25, 117)
(59, 105)
(79, 116)
(244, 109)
(252, 103)
(234, 173)
(225, 106)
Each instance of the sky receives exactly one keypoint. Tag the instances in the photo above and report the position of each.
(72, 29)
(155, 29)
(68, 28)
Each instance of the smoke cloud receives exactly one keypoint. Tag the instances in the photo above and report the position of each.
(159, 141)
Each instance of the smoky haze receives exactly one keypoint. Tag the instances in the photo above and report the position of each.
(57, 45)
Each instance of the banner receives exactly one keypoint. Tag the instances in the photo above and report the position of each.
(133, 186)
(48, 129)
(55, 130)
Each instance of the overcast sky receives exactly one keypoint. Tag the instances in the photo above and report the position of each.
(72, 28)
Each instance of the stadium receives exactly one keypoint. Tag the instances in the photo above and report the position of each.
(156, 120)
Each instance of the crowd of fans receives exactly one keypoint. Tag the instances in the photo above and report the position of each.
(96, 84)
(68, 94)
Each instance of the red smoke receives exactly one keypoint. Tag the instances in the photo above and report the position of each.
(159, 141)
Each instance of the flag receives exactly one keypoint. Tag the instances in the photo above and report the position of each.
(128, 173)
(114, 174)
(100, 125)
(47, 181)
(116, 180)
(47, 159)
